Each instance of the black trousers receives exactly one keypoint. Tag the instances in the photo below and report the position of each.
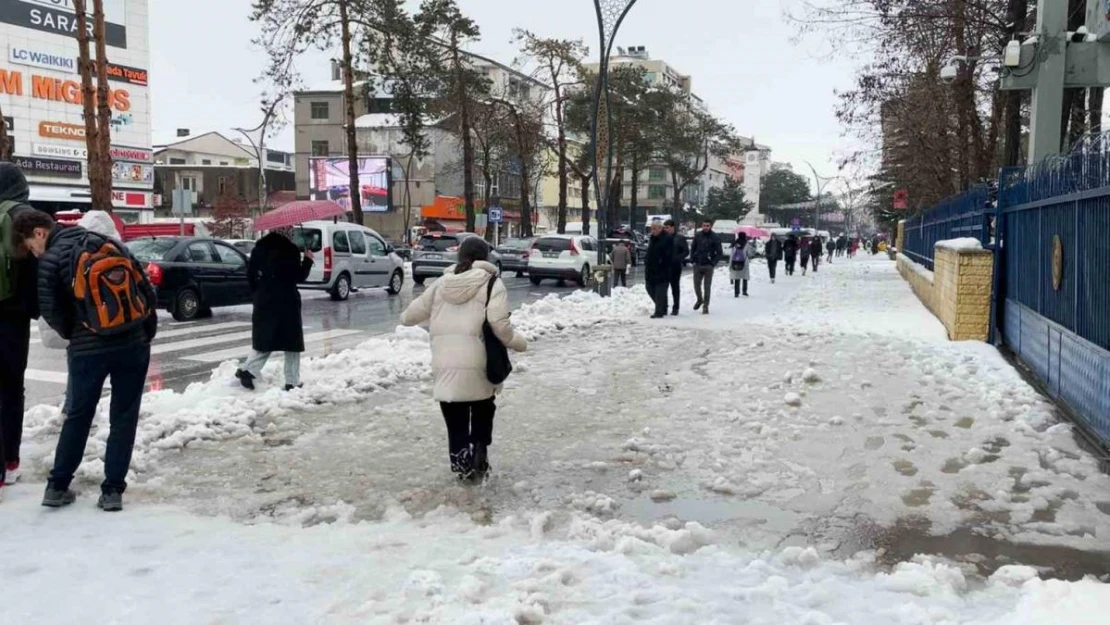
(658, 292)
(676, 281)
(15, 339)
(736, 287)
(790, 262)
(805, 263)
(620, 277)
(772, 266)
(468, 423)
(816, 261)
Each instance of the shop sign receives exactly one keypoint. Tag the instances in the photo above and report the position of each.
(35, 166)
(57, 17)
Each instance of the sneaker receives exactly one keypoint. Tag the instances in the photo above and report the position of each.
(12, 473)
(697, 306)
(55, 498)
(245, 378)
(110, 501)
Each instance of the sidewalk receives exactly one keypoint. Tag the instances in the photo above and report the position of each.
(778, 461)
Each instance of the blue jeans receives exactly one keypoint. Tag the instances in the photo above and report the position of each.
(87, 372)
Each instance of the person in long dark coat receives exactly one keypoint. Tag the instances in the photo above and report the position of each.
(275, 269)
(681, 254)
(658, 267)
(815, 250)
(790, 253)
(773, 251)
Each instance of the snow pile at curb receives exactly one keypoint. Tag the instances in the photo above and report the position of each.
(963, 243)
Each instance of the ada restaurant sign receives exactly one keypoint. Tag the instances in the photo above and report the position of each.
(45, 60)
(34, 166)
(58, 17)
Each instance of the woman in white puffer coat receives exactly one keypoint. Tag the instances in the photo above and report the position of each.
(455, 307)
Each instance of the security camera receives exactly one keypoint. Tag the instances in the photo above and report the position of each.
(949, 72)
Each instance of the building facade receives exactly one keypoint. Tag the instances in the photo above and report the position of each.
(40, 93)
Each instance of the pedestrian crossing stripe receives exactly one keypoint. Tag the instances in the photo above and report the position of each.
(234, 352)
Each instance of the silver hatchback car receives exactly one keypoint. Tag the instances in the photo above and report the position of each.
(437, 251)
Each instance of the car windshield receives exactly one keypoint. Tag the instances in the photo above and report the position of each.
(151, 250)
(308, 239)
(553, 245)
(517, 244)
(437, 243)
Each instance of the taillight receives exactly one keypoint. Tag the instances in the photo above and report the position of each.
(327, 259)
(526, 253)
(154, 273)
(573, 248)
(453, 248)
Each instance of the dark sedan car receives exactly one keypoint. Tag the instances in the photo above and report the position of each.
(514, 255)
(193, 275)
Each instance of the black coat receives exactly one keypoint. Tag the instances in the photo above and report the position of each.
(815, 247)
(681, 251)
(59, 307)
(773, 250)
(275, 270)
(24, 303)
(706, 251)
(790, 249)
(660, 258)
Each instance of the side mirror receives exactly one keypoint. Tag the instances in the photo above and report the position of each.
(389, 249)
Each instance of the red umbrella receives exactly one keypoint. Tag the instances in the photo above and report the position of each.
(298, 212)
(752, 232)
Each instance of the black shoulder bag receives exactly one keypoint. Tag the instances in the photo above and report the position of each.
(498, 366)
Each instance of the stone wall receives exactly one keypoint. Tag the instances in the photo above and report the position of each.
(958, 292)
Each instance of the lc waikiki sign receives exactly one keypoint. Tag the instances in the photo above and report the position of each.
(56, 89)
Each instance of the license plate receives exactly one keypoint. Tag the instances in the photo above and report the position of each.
(551, 254)
(434, 256)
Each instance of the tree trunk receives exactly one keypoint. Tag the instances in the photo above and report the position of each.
(525, 201)
(103, 109)
(586, 205)
(488, 195)
(5, 141)
(634, 194)
(88, 105)
(349, 97)
(677, 207)
(1094, 110)
(467, 140)
(407, 219)
(964, 90)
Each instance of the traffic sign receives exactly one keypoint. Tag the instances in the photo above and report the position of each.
(495, 214)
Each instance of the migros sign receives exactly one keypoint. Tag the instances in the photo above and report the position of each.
(57, 90)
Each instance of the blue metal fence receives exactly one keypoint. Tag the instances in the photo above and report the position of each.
(964, 215)
(1054, 222)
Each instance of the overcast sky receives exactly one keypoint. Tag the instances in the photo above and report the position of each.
(740, 53)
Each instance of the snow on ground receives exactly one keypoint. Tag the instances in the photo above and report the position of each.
(726, 467)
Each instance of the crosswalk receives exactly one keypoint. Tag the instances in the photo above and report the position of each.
(188, 348)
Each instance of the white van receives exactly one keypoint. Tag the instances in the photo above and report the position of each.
(349, 257)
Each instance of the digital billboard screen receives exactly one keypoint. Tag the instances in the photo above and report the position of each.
(330, 180)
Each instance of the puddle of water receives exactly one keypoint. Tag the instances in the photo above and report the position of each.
(1103, 507)
(965, 423)
(953, 465)
(905, 467)
(709, 511)
(938, 433)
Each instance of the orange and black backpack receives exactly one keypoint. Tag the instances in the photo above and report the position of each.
(108, 286)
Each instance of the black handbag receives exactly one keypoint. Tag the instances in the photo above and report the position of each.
(498, 366)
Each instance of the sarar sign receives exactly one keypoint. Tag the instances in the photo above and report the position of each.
(58, 17)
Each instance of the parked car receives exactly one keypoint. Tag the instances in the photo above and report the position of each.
(437, 251)
(349, 257)
(193, 275)
(639, 243)
(514, 254)
(562, 257)
(399, 249)
(245, 246)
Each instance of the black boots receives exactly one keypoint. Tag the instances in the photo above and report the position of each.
(471, 465)
(245, 378)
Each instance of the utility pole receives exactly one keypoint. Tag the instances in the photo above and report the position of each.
(820, 192)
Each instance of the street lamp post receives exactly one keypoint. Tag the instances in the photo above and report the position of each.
(268, 113)
(610, 16)
(820, 192)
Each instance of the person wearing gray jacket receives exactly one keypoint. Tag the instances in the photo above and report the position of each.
(621, 258)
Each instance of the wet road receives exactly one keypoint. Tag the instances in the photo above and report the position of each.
(184, 353)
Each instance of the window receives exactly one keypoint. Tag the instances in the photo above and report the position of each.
(177, 161)
(588, 245)
(151, 250)
(189, 183)
(657, 192)
(437, 243)
(224, 163)
(320, 148)
(319, 110)
(339, 242)
(199, 253)
(377, 247)
(358, 242)
(228, 255)
(308, 239)
(275, 157)
(657, 173)
(206, 161)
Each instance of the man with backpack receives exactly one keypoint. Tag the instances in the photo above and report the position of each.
(18, 305)
(96, 295)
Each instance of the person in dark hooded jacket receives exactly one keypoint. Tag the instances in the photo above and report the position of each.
(815, 251)
(17, 307)
(274, 271)
(790, 253)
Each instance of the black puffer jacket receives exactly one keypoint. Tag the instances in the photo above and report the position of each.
(681, 251)
(24, 304)
(706, 250)
(59, 308)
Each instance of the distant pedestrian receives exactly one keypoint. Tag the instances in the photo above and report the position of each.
(705, 255)
(803, 252)
(874, 246)
(790, 253)
(657, 268)
(830, 247)
(681, 254)
(815, 252)
(621, 258)
(18, 305)
(773, 251)
(455, 308)
(96, 295)
(275, 269)
(740, 270)
(853, 247)
(841, 245)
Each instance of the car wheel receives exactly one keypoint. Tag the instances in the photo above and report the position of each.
(520, 274)
(342, 289)
(584, 278)
(396, 281)
(186, 306)
(419, 280)
(535, 280)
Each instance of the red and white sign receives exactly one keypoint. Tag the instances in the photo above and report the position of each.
(132, 199)
(138, 155)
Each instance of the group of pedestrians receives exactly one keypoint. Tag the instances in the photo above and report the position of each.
(96, 296)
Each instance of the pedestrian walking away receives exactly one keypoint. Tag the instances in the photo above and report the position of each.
(657, 268)
(681, 254)
(773, 251)
(18, 306)
(275, 269)
(803, 253)
(740, 266)
(790, 253)
(621, 258)
(830, 247)
(705, 255)
(841, 245)
(455, 307)
(815, 251)
(95, 295)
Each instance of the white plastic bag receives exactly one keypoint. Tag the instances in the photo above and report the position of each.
(50, 338)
